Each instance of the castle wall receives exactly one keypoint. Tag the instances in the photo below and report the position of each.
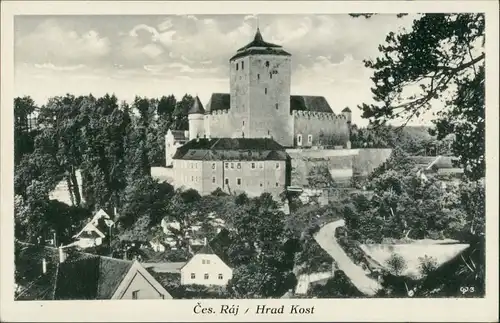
(269, 98)
(324, 129)
(196, 126)
(239, 113)
(219, 124)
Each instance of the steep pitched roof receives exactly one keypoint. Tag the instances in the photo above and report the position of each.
(346, 109)
(91, 278)
(222, 101)
(231, 149)
(259, 46)
(206, 250)
(197, 107)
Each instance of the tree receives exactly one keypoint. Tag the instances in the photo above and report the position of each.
(319, 177)
(442, 56)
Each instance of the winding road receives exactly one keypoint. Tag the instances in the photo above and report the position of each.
(326, 239)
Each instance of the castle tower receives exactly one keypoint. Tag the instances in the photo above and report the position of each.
(260, 78)
(196, 122)
(348, 116)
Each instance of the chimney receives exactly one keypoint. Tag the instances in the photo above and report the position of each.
(62, 255)
(44, 266)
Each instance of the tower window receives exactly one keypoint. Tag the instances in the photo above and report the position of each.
(243, 122)
(238, 181)
(242, 65)
(299, 140)
(309, 139)
(270, 75)
(267, 63)
(276, 106)
(237, 66)
(213, 179)
(258, 76)
(226, 181)
(265, 90)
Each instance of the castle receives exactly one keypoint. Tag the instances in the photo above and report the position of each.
(259, 107)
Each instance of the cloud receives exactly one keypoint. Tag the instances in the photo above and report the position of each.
(50, 66)
(51, 42)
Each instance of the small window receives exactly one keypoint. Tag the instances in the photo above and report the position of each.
(237, 66)
(206, 276)
(193, 275)
(213, 179)
(261, 184)
(258, 76)
(242, 65)
(299, 140)
(226, 181)
(243, 122)
(238, 165)
(135, 294)
(226, 165)
(253, 165)
(276, 105)
(213, 165)
(267, 63)
(277, 165)
(192, 178)
(232, 165)
(238, 181)
(220, 276)
(265, 90)
(270, 75)
(309, 139)
(277, 184)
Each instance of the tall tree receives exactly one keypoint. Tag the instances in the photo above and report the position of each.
(442, 56)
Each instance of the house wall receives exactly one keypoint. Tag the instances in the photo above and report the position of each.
(197, 267)
(146, 290)
(170, 147)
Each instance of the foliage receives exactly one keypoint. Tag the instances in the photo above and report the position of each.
(442, 56)
(319, 177)
(427, 265)
(338, 286)
(397, 264)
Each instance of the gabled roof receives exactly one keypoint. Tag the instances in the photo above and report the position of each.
(259, 46)
(231, 149)
(197, 107)
(222, 101)
(346, 109)
(206, 250)
(93, 232)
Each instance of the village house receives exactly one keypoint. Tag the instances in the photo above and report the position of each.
(95, 231)
(47, 273)
(206, 268)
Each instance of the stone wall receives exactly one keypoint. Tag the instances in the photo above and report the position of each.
(324, 129)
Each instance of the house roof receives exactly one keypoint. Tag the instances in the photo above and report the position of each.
(206, 250)
(90, 278)
(197, 107)
(259, 46)
(90, 231)
(346, 109)
(435, 162)
(231, 149)
(222, 101)
(179, 135)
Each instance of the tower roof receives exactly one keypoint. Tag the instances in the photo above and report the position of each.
(346, 109)
(197, 107)
(259, 46)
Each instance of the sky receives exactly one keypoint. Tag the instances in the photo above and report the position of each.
(160, 55)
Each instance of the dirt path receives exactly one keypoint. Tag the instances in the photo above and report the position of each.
(326, 239)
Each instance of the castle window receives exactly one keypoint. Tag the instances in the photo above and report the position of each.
(258, 76)
(270, 75)
(309, 139)
(237, 66)
(238, 165)
(243, 122)
(267, 63)
(242, 65)
(232, 165)
(277, 165)
(265, 90)
(213, 165)
(226, 165)
(299, 140)
(276, 106)
(261, 184)
(253, 165)
(213, 179)
(226, 181)
(238, 181)
(193, 275)
(206, 276)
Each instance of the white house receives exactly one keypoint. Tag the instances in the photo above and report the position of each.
(89, 237)
(173, 140)
(206, 268)
(101, 214)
